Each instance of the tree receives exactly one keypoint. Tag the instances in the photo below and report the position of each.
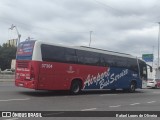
(7, 53)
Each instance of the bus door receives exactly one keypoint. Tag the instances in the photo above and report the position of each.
(143, 70)
(143, 73)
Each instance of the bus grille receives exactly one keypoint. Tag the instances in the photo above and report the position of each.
(22, 64)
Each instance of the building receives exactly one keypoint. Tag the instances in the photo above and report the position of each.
(12, 42)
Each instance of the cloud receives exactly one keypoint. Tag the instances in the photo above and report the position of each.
(124, 26)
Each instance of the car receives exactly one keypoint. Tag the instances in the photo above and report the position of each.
(7, 71)
(153, 83)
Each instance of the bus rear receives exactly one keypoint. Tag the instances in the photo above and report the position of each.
(25, 66)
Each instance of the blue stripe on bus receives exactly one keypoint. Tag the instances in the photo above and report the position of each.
(114, 78)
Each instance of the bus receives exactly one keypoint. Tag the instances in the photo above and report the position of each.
(46, 66)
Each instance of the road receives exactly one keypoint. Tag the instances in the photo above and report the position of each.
(20, 99)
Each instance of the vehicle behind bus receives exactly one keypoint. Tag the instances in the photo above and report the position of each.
(45, 66)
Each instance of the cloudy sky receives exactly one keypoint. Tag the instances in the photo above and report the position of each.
(128, 26)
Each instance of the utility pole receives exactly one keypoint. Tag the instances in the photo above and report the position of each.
(19, 35)
(153, 56)
(158, 43)
(90, 38)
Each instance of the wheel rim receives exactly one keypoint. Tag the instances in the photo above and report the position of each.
(75, 88)
(132, 87)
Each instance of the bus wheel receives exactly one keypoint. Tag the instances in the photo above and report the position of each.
(132, 87)
(75, 87)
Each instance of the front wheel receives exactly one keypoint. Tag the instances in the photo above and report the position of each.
(132, 87)
(75, 87)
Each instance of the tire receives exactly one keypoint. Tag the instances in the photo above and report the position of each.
(132, 87)
(75, 87)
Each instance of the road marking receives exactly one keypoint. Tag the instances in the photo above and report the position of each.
(151, 102)
(156, 92)
(115, 106)
(65, 96)
(14, 100)
(107, 94)
(11, 119)
(90, 109)
(135, 104)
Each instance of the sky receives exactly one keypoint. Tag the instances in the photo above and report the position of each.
(128, 26)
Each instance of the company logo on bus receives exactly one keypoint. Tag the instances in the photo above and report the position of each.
(104, 79)
(70, 70)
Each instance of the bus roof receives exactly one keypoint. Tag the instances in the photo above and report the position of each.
(106, 51)
(85, 48)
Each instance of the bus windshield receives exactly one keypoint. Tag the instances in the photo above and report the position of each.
(25, 50)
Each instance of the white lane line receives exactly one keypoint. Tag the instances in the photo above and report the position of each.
(114, 106)
(90, 109)
(11, 119)
(135, 104)
(14, 100)
(107, 94)
(151, 102)
(156, 92)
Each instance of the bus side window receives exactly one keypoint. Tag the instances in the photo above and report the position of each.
(80, 57)
(88, 58)
(132, 64)
(52, 53)
(144, 71)
(102, 61)
(93, 58)
(70, 55)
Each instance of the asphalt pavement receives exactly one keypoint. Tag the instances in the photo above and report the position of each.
(14, 98)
